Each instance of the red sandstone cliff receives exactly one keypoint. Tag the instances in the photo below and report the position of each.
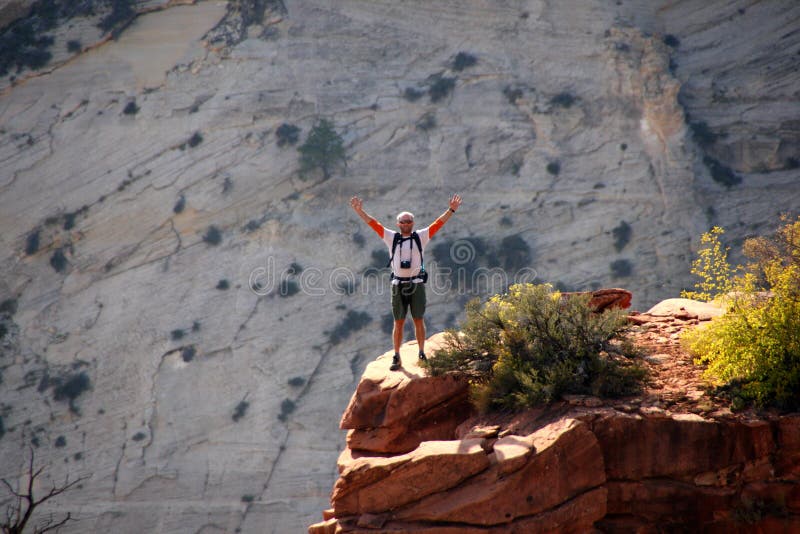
(670, 460)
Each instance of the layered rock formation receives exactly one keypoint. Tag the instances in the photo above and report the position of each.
(184, 317)
(654, 463)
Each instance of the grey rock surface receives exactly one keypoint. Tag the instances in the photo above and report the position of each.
(199, 381)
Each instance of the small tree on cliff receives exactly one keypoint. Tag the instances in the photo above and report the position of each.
(21, 503)
(323, 150)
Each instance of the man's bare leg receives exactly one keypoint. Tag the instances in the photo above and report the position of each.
(397, 334)
(419, 330)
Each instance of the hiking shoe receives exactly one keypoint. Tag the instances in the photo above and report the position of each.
(396, 364)
(422, 357)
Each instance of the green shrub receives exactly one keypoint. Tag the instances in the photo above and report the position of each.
(352, 322)
(70, 388)
(131, 108)
(721, 173)
(188, 353)
(32, 243)
(564, 100)
(195, 140)
(240, 411)
(554, 168)
(122, 13)
(22, 45)
(296, 381)
(58, 261)
(8, 307)
(412, 94)
(323, 150)
(74, 46)
(179, 205)
(213, 236)
(287, 134)
(441, 87)
(622, 235)
(671, 41)
(288, 288)
(530, 346)
(464, 60)
(754, 348)
(287, 407)
(223, 285)
(621, 268)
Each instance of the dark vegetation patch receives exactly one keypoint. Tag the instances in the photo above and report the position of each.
(554, 167)
(622, 235)
(352, 322)
(240, 410)
(287, 407)
(179, 205)
(195, 140)
(564, 100)
(721, 173)
(58, 261)
(671, 41)
(296, 381)
(32, 243)
(139, 436)
(413, 94)
(287, 134)
(74, 46)
(441, 87)
(60, 442)
(130, 108)
(464, 60)
(213, 236)
(621, 268)
(223, 285)
(70, 387)
(188, 353)
(288, 288)
(121, 15)
(177, 334)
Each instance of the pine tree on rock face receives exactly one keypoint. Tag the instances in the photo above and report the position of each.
(323, 150)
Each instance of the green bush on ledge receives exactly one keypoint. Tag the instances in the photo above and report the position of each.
(529, 346)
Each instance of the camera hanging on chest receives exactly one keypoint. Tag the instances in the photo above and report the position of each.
(398, 240)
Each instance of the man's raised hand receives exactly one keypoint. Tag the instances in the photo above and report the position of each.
(455, 202)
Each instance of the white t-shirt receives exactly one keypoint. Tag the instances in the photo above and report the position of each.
(406, 249)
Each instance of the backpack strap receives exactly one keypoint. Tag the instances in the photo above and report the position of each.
(419, 246)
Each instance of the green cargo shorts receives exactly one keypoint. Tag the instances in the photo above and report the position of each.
(405, 295)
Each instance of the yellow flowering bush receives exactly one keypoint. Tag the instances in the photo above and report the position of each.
(753, 351)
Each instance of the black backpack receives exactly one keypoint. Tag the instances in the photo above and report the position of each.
(398, 238)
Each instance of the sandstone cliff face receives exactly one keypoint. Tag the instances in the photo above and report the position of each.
(584, 466)
(182, 328)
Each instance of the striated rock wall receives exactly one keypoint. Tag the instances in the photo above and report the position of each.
(178, 306)
(582, 466)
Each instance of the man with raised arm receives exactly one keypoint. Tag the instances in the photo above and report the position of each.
(408, 276)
